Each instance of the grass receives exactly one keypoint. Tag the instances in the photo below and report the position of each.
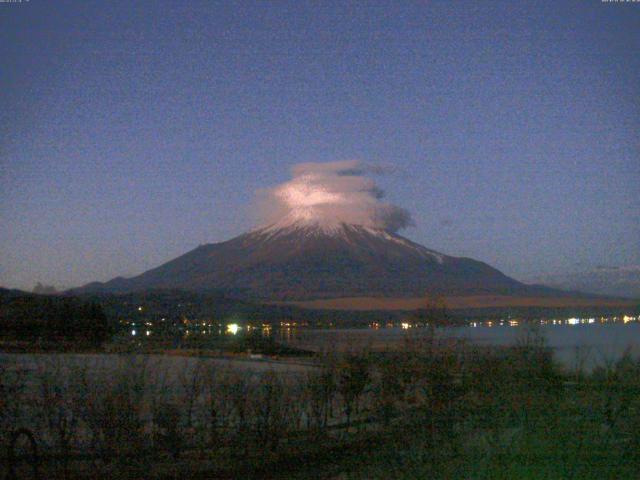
(428, 410)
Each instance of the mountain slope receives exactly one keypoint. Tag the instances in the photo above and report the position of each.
(297, 261)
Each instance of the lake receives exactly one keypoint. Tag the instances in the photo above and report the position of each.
(588, 344)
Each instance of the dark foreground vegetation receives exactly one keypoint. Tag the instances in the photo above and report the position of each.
(435, 409)
(46, 322)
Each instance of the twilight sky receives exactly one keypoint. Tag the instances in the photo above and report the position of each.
(132, 131)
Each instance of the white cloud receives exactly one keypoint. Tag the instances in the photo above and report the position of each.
(332, 193)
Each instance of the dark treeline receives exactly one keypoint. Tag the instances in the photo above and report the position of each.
(32, 317)
(538, 313)
(95, 318)
(219, 306)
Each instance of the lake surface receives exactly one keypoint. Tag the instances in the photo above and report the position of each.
(587, 344)
(593, 344)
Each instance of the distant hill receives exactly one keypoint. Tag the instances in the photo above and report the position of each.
(6, 293)
(28, 316)
(613, 281)
(45, 289)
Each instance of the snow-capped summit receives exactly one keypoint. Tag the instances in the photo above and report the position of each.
(357, 236)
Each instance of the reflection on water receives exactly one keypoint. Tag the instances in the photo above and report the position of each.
(287, 330)
(602, 339)
(588, 343)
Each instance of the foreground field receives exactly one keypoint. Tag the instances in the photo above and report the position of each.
(428, 410)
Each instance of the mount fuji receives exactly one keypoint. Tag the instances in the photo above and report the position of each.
(302, 260)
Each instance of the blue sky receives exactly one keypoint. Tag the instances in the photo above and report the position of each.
(131, 132)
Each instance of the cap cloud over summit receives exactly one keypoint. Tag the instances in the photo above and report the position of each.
(332, 193)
